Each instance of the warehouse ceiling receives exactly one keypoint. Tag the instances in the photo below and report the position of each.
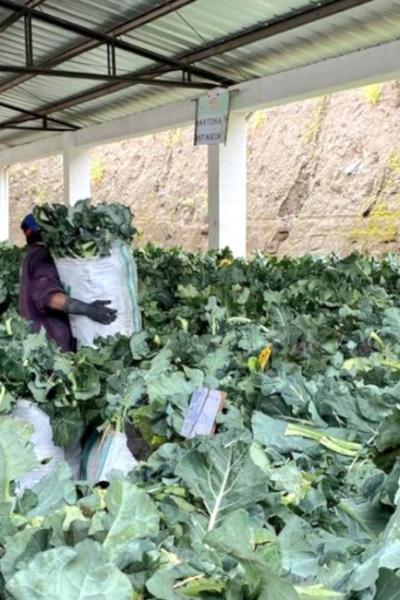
(68, 64)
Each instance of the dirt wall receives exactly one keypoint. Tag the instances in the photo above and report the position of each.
(323, 176)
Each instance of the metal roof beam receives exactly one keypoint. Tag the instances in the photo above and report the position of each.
(33, 115)
(106, 77)
(161, 10)
(372, 65)
(18, 14)
(281, 25)
(77, 49)
(33, 128)
(242, 38)
(104, 38)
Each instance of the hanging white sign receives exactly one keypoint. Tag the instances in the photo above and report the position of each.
(212, 116)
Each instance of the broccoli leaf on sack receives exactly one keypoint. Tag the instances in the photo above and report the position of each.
(84, 230)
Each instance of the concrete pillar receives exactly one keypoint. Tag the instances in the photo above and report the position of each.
(227, 179)
(4, 205)
(76, 171)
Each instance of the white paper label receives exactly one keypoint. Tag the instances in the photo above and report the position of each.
(202, 412)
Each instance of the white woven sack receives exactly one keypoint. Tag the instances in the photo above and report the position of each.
(42, 440)
(111, 278)
(109, 453)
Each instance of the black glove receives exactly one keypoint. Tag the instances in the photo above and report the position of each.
(97, 311)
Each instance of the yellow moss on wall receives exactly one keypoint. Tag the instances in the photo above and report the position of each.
(172, 138)
(97, 170)
(313, 130)
(257, 120)
(373, 94)
(382, 225)
(394, 161)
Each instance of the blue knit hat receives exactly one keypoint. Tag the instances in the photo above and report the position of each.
(30, 225)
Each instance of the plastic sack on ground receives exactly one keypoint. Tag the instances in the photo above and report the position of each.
(111, 278)
(104, 453)
(73, 455)
(42, 440)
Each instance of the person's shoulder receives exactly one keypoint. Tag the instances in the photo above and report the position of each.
(39, 249)
(38, 253)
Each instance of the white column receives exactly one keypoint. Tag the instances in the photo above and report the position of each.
(4, 205)
(76, 171)
(227, 179)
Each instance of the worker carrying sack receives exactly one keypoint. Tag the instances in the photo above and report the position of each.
(112, 278)
(91, 247)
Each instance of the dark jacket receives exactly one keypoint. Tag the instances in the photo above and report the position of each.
(39, 281)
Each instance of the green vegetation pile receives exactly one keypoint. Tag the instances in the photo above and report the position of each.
(296, 496)
(10, 262)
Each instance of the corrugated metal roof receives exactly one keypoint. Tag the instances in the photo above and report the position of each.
(198, 23)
